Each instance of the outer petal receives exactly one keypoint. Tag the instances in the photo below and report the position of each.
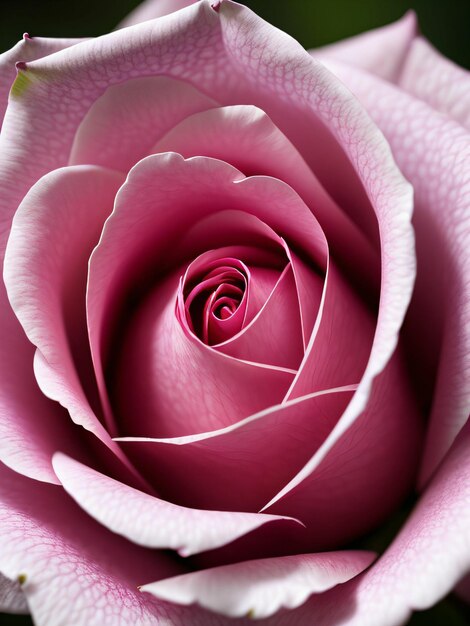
(28, 49)
(381, 51)
(12, 598)
(74, 571)
(259, 588)
(150, 9)
(149, 521)
(125, 122)
(52, 236)
(434, 153)
(431, 77)
(32, 427)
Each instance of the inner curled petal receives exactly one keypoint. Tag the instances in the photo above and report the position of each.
(215, 306)
(224, 289)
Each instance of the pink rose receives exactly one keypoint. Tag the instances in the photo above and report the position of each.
(212, 390)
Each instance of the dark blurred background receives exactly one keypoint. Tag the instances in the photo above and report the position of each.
(313, 22)
(446, 23)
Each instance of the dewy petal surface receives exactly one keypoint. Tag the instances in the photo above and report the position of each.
(259, 588)
(434, 153)
(150, 521)
(53, 234)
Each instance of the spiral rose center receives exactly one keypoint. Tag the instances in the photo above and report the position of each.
(215, 300)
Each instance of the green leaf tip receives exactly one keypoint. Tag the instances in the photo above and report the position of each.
(20, 84)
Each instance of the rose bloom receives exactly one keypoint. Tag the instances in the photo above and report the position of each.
(234, 324)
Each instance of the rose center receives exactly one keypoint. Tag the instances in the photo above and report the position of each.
(215, 300)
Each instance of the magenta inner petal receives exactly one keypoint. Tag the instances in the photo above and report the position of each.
(224, 290)
(215, 303)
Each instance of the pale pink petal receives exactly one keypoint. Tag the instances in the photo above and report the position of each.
(163, 197)
(441, 83)
(150, 9)
(31, 427)
(26, 50)
(239, 135)
(259, 588)
(434, 153)
(366, 473)
(125, 122)
(52, 236)
(382, 51)
(150, 521)
(233, 468)
(12, 598)
(73, 570)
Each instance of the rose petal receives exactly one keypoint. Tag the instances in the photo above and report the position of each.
(123, 124)
(274, 335)
(150, 9)
(422, 565)
(12, 599)
(434, 154)
(73, 570)
(259, 588)
(381, 51)
(149, 521)
(442, 84)
(32, 427)
(239, 135)
(26, 50)
(346, 490)
(233, 468)
(52, 236)
(340, 343)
